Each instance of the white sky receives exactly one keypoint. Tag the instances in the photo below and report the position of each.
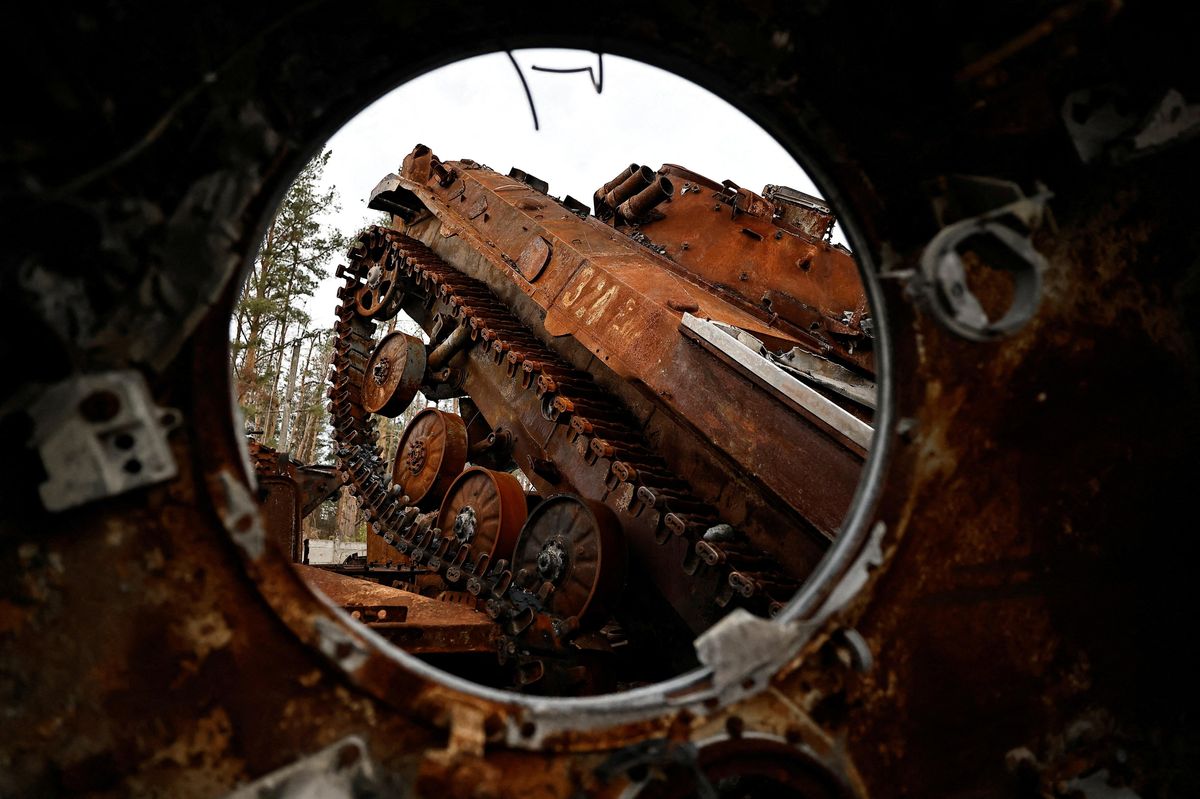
(477, 109)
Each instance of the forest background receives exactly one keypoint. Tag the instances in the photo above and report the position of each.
(280, 356)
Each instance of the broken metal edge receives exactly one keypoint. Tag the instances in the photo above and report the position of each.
(831, 416)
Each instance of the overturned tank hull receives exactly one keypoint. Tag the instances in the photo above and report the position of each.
(681, 461)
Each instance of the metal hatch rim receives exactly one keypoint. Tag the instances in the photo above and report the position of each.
(547, 715)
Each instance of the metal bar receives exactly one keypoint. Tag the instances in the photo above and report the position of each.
(809, 400)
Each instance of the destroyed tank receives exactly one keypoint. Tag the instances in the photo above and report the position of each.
(683, 373)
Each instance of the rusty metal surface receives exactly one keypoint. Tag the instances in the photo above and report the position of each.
(422, 625)
(578, 546)
(737, 267)
(281, 514)
(290, 491)
(524, 387)
(380, 552)
(1035, 575)
(485, 510)
(379, 293)
(431, 454)
(800, 281)
(696, 560)
(393, 374)
(611, 295)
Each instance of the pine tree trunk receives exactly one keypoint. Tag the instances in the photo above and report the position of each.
(304, 448)
(347, 517)
(270, 397)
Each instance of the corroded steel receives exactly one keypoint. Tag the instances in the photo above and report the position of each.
(484, 509)
(739, 243)
(431, 453)
(292, 491)
(625, 302)
(379, 295)
(422, 625)
(435, 544)
(576, 545)
(393, 374)
(592, 430)
(1024, 636)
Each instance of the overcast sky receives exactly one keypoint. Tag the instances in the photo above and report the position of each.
(477, 109)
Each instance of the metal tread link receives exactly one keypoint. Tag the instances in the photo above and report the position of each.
(570, 397)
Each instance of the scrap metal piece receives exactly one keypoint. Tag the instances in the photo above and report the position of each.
(999, 235)
(420, 624)
(100, 435)
(1170, 122)
(535, 183)
(289, 491)
(742, 645)
(814, 368)
(317, 483)
(342, 770)
(388, 195)
(1108, 122)
(803, 211)
(828, 374)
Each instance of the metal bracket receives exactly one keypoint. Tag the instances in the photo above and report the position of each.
(100, 435)
(999, 234)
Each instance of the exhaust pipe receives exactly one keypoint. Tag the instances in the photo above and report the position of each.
(604, 211)
(618, 180)
(631, 185)
(639, 205)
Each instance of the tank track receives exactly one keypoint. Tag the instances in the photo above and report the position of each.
(569, 397)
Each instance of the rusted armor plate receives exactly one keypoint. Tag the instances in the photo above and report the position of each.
(422, 625)
(533, 258)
